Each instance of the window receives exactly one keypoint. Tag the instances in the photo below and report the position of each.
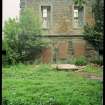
(78, 17)
(45, 16)
(22, 3)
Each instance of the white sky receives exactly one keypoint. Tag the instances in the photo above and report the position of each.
(10, 9)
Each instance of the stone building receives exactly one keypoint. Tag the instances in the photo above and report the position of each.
(62, 23)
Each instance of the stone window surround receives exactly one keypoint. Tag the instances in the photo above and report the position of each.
(51, 11)
(46, 17)
(78, 28)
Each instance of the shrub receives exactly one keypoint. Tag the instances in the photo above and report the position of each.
(80, 61)
(23, 40)
(4, 101)
(4, 60)
(98, 61)
(94, 34)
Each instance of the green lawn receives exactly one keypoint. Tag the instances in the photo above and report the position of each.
(42, 85)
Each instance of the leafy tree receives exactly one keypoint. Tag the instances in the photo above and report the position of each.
(30, 25)
(94, 34)
(11, 32)
(23, 37)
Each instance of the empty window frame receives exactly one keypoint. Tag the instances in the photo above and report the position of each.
(78, 17)
(45, 16)
(22, 3)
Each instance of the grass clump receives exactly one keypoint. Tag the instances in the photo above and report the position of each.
(80, 61)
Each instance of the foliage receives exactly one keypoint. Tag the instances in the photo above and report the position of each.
(23, 37)
(43, 85)
(30, 23)
(11, 31)
(80, 3)
(98, 61)
(80, 61)
(93, 69)
(94, 34)
(4, 60)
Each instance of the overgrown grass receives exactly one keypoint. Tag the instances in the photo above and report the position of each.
(92, 69)
(79, 61)
(42, 85)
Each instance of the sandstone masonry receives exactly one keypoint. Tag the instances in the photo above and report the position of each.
(63, 23)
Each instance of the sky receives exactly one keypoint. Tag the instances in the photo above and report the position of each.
(10, 9)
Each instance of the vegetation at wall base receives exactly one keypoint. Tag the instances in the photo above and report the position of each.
(79, 61)
(91, 68)
(97, 61)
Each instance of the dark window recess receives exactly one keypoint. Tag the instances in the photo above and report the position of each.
(3, 52)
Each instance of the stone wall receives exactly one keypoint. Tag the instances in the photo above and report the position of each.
(61, 15)
(63, 48)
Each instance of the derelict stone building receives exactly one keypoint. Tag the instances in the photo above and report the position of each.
(62, 23)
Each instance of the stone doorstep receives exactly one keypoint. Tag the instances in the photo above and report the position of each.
(65, 67)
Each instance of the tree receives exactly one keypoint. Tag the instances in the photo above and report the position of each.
(94, 34)
(32, 43)
(23, 37)
(11, 32)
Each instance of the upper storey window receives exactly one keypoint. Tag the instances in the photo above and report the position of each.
(45, 16)
(78, 17)
(22, 3)
(45, 13)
